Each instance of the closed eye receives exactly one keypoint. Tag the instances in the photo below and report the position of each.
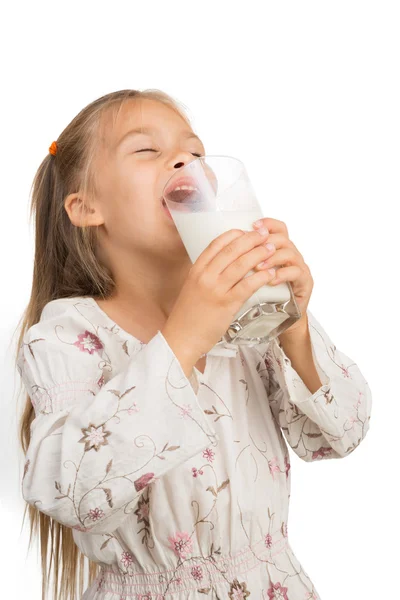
(153, 150)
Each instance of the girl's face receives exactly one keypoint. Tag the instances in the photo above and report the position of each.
(132, 171)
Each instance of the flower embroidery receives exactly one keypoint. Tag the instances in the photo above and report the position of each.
(95, 514)
(196, 472)
(142, 511)
(186, 409)
(181, 544)
(126, 559)
(238, 591)
(88, 342)
(209, 454)
(94, 437)
(277, 592)
(143, 481)
(197, 573)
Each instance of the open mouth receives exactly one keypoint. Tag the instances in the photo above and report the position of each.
(183, 189)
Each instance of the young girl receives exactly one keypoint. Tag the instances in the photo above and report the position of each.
(153, 449)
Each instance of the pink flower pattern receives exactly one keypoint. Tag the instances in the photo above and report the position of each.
(268, 540)
(181, 544)
(143, 511)
(277, 592)
(209, 454)
(130, 480)
(195, 472)
(238, 591)
(95, 514)
(143, 481)
(94, 437)
(127, 559)
(197, 573)
(88, 342)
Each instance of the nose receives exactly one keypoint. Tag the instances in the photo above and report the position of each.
(182, 158)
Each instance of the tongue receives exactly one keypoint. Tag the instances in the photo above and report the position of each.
(184, 196)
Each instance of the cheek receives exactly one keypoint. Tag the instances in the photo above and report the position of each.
(130, 202)
(139, 188)
(132, 220)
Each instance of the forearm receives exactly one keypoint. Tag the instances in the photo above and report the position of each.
(181, 349)
(297, 346)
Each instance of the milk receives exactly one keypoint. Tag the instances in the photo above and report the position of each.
(198, 229)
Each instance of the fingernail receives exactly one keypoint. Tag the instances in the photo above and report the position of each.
(272, 271)
(263, 231)
(257, 223)
(262, 263)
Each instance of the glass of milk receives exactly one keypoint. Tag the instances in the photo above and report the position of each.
(207, 197)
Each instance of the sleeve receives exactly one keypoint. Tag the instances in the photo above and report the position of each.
(94, 446)
(333, 421)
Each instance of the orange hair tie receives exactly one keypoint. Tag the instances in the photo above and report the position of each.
(53, 148)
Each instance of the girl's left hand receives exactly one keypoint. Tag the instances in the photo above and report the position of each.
(293, 269)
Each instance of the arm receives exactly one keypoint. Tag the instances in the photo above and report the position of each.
(96, 445)
(322, 422)
(297, 346)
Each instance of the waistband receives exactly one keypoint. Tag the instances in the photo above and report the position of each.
(191, 574)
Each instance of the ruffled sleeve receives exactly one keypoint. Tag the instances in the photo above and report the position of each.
(96, 445)
(331, 422)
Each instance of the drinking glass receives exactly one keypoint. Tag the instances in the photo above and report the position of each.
(207, 197)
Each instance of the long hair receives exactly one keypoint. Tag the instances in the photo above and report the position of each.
(66, 264)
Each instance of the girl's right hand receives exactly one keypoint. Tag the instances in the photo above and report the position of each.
(214, 291)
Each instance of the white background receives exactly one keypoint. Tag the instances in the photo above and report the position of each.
(306, 94)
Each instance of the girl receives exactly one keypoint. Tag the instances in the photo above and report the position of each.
(151, 449)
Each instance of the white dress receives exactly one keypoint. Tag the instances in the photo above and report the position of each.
(179, 487)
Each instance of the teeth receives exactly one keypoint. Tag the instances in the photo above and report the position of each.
(185, 187)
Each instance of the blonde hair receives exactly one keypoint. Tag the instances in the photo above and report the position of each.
(66, 265)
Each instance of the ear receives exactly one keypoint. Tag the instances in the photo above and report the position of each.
(81, 213)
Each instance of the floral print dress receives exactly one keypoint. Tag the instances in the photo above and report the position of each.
(179, 487)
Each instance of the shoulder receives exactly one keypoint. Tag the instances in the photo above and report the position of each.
(63, 307)
(62, 355)
(69, 314)
(67, 329)
(72, 334)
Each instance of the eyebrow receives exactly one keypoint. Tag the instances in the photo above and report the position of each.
(146, 130)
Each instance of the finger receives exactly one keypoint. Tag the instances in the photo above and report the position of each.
(286, 274)
(279, 240)
(273, 225)
(284, 257)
